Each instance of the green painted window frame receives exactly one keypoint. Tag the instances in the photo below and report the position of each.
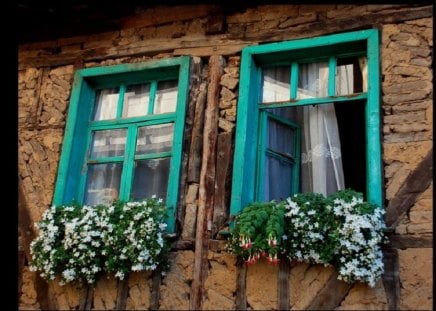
(72, 170)
(356, 43)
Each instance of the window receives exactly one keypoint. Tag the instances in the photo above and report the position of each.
(308, 119)
(124, 132)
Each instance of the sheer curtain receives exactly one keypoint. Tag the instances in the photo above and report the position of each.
(321, 160)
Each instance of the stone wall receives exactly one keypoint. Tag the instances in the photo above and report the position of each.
(45, 79)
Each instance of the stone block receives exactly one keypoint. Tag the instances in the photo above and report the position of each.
(363, 297)
(139, 291)
(416, 265)
(226, 94)
(229, 82)
(105, 293)
(262, 285)
(225, 125)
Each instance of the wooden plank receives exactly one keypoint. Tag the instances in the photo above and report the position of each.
(391, 278)
(207, 182)
(283, 285)
(331, 295)
(228, 49)
(407, 241)
(241, 285)
(122, 293)
(222, 181)
(416, 183)
(155, 290)
(86, 297)
(194, 164)
(195, 79)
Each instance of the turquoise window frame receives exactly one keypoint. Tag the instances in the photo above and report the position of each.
(72, 170)
(325, 48)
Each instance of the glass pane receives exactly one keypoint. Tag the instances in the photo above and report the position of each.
(166, 97)
(312, 80)
(150, 178)
(276, 84)
(280, 137)
(108, 143)
(155, 138)
(349, 77)
(106, 103)
(136, 100)
(103, 183)
(277, 180)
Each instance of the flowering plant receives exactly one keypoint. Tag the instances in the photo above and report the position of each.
(78, 242)
(341, 230)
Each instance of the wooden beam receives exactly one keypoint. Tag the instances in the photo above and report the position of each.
(122, 293)
(409, 241)
(331, 295)
(155, 289)
(416, 183)
(241, 285)
(222, 182)
(207, 182)
(195, 79)
(86, 297)
(283, 285)
(391, 278)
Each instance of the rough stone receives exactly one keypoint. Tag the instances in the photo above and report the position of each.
(175, 288)
(405, 117)
(225, 125)
(363, 297)
(411, 153)
(188, 232)
(262, 285)
(28, 295)
(305, 282)
(64, 297)
(139, 291)
(415, 277)
(220, 284)
(226, 94)
(229, 82)
(105, 293)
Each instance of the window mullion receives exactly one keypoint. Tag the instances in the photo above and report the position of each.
(261, 155)
(153, 89)
(129, 163)
(121, 100)
(83, 176)
(332, 76)
(294, 80)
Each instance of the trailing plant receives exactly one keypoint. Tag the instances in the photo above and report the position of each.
(340, 230)
(77, 243)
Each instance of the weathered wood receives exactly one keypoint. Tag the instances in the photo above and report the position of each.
(39, 104)
(391, 278)
(86, 297)
(122, 293)
(407, 241)
(222, 182)
(283, 285)
(182, 245)
(21, 263)
(155, 289)
(194, 82)
(416, 183)
(324, 26)
(331, 295)
(194, 164)
(207, 182)
(241, 285)
(228, 49)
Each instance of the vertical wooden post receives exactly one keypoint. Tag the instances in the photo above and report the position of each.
(391, 278)
(283, 286)
(207, 182)
(155, 287)
(86, 297)
(122, 293)
(241, 285)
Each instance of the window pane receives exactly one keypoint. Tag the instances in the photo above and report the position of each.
(106, 102)
(108, 143)
(155, 138)
(150, 178)
(276, 84)
(277, 179)
(166, 97)
(349, 77)
(103, 183)
(312, 80)
(280, 137)
(136, 100)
